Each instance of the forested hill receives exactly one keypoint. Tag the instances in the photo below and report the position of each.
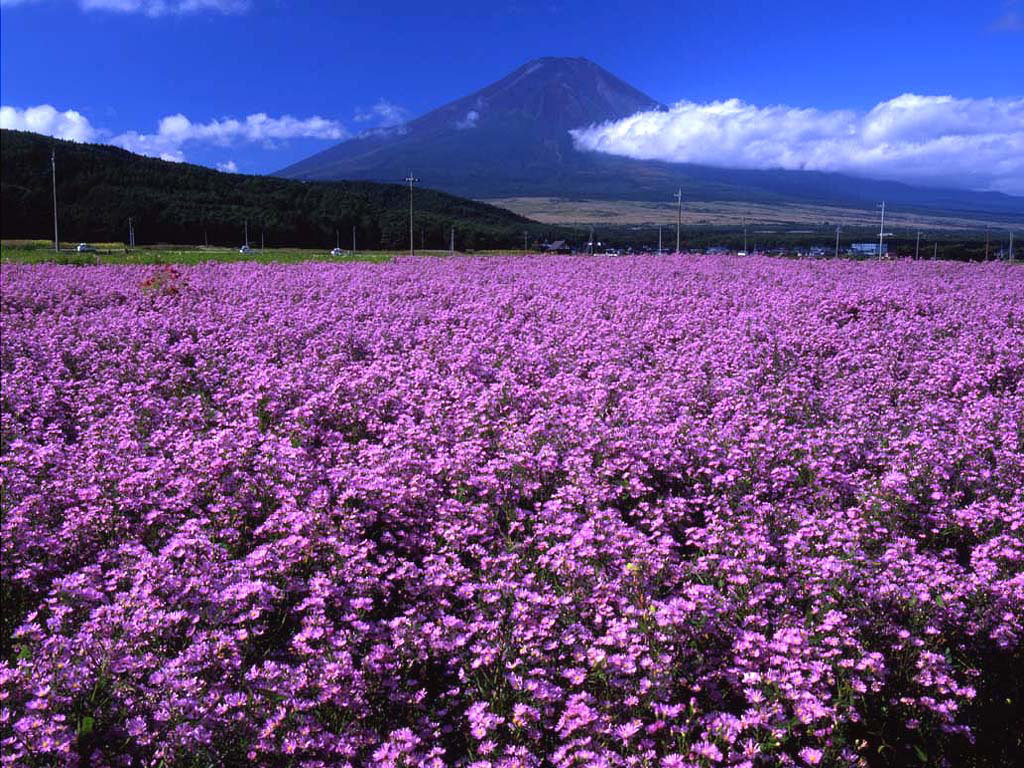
(99, 187)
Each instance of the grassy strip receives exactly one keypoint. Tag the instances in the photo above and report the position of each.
(30, 255)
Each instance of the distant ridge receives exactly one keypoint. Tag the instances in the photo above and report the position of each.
(511, 139)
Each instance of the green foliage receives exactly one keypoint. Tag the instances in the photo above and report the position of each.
(99, 187)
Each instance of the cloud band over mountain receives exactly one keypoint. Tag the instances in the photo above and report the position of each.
(936, 140)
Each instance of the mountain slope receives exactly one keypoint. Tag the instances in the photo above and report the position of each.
(511, 139)
(509, 135)
(99, 187)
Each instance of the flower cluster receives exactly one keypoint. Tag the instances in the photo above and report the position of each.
(674, 512)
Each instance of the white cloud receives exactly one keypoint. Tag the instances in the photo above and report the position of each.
(384, 113)
(973, 143)
(174, 131)
(469, 121)
(230, 166)
(154, 8)
(45, 119)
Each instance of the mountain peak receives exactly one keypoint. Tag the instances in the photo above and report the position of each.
(567, 92)
(521, 121)
(568, 63)
(511, 139)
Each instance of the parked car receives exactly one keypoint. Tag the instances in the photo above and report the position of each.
(245, 249)
(84, 248)
(337, 252)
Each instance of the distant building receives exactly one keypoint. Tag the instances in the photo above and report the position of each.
(869, 249)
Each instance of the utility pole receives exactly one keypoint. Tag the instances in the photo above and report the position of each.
(1011, 246)
(451, 244)
(881, 231)
(917, 249)
(53, 166)
(986, 243)
(131, 234)
(412, 245)
(353, 238)
(837, 240)
(744, 235)
(261, 242)
(590, 245)
(526, 242)
(679, 215)
(935, 251)
(206, 238)
(246, 223)
(659, 241)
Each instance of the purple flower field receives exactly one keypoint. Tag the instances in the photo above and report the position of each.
(653, 512)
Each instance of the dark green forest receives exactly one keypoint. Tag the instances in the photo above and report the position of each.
(99, 187)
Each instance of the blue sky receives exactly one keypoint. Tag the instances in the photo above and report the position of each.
(121, 66)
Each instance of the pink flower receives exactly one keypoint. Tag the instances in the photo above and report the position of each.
(811, 756)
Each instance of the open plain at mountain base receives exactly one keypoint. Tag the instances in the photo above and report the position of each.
(676, 511)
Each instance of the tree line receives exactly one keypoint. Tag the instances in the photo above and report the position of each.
(99, 187)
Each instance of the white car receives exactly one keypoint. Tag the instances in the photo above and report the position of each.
(337, 252)
(84, 248)
(245, 249)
